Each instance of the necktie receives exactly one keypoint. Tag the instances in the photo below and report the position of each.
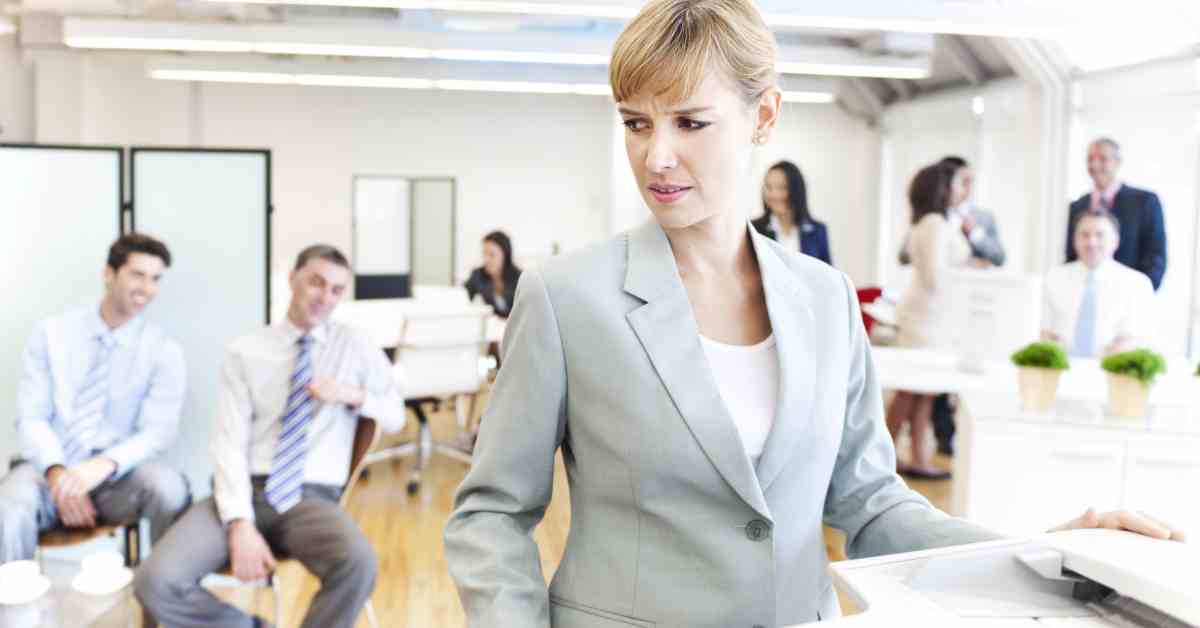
(1085, 324)
(90, 403)
(285, 483)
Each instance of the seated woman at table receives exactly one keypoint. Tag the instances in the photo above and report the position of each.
(1095, 306)
(496, 281)
(935, 248)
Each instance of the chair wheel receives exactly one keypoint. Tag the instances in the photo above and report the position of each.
(413, 487)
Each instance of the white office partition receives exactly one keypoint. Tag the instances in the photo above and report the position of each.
(60, 210)
(382, 258)
(211, 207)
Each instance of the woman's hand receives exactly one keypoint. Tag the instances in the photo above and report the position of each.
(1136, 522)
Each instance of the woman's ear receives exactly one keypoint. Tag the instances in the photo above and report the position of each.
(768, 109)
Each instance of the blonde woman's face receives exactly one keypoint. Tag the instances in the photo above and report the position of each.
(691, 159)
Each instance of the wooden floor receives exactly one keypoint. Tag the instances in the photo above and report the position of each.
(414, 589)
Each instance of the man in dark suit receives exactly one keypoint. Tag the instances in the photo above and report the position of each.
(1143, 237)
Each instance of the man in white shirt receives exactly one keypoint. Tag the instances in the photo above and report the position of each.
(1095, 305)
(98, 402)
(290, 398)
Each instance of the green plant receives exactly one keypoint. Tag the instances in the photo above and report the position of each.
(1141, 364)
(1042, 355)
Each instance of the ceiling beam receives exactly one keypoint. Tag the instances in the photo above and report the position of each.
(903, 89)
(964, 59)
(868, 96)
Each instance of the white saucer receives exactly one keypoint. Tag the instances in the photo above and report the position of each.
(103, 584)
(36, 589)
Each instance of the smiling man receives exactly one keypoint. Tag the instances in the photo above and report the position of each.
(288, 405)
(100, 395)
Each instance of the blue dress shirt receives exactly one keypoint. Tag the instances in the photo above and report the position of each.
(146, 393)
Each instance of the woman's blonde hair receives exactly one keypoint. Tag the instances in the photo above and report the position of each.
(672, 45)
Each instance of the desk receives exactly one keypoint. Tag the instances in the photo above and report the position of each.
(383, 318)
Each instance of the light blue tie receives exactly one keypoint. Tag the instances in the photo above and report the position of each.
(1085, 324)
(90, 403)
(286, 482)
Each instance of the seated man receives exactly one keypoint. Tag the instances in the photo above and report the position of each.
(290, 398)
(1096, 306)
(100, 395)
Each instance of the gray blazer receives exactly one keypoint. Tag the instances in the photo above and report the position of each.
(989, 247)
(670, 523)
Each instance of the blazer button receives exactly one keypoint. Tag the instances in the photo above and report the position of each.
(758, 530)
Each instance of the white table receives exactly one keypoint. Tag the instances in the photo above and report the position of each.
(63, 607)
(383, 318)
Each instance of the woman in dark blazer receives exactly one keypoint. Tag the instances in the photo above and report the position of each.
(496, 280)
(785, 212)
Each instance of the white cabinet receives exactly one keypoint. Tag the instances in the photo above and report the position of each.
(1021, 476)
(1025, 479)
(1162, 478)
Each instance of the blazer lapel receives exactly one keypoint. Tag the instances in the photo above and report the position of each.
(788, 305)
(668, 333)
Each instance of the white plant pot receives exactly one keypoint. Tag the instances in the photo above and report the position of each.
(1128, 397)
(1039, 388)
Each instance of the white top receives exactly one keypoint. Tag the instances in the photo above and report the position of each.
(748, 380)
(790, 240)
(1124, 303)
(254, 385)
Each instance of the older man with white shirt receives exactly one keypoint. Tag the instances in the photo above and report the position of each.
(1096, 306)
(290, 397)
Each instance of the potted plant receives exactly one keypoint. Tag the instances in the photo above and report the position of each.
(1039, 365)
(1130, 375)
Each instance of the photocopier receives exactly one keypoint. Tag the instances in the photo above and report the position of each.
(1072, 579)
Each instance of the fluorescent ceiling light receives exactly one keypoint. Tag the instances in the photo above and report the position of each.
(609, 11)
(342, 50)
(221, 76)
(504, 86)
(395, 52)
(7, 26)
(516, 56)
(816, 98)
(473, 6)
(840, 69)
(344, 80)
(157, 43)
(339, 50)
(912, 26)
(312, 76)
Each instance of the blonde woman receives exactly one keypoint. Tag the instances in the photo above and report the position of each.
(712, 392)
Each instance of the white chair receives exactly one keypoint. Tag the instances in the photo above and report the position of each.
(438, 359)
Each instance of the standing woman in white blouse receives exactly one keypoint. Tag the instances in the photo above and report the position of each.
(696, 499)
(935, 247)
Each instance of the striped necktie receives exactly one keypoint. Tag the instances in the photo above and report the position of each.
(1085, 323)
(90, 403)
(286, 481)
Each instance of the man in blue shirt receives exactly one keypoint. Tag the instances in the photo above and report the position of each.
(100, 395)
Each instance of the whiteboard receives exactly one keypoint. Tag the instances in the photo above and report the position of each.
(60, 210)
(211, 208)
(381, 219)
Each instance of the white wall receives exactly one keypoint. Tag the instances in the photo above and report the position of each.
(1154, 113)
(839, 156)
(535, 166)
(1001, 145)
